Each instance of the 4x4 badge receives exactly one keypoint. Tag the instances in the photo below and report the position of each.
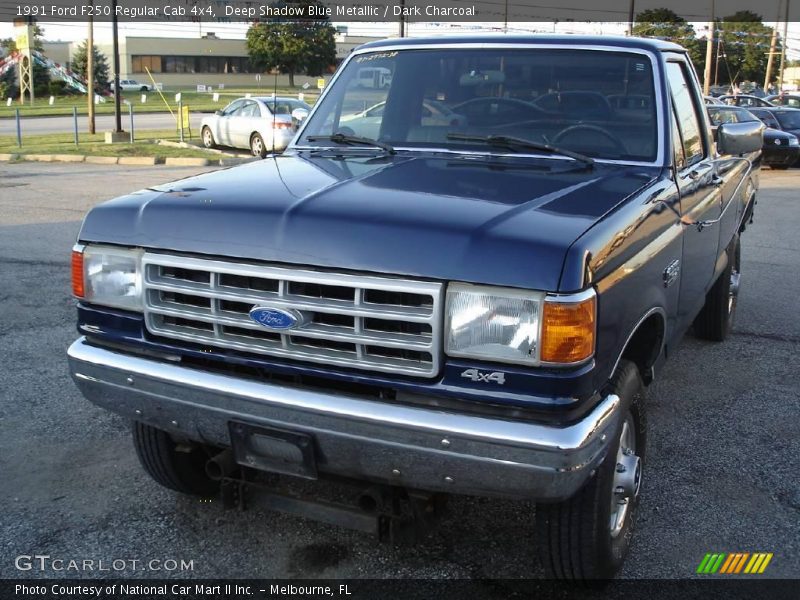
(497, 377)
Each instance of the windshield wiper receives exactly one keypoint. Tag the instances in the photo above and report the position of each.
(515, 143)
(353, 140)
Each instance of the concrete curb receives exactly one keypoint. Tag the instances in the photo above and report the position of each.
(102, 160)
(177, 161)
(69, 157)
(139, 161)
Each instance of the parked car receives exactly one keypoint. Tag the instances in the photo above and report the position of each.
(471, 308)
(131, 85)
(744, 100)
(791, 100)
(262, 124)
(368, 122)
(711, 100)
(780, 149)
(780, 117)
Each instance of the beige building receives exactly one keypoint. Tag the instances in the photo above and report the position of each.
(791, 78)
(188, 62)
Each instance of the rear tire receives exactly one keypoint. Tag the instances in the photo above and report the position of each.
(587, 536)
(178, 467)
(257, 146)
(716, 317)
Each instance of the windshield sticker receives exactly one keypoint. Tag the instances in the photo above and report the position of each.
(375, 56)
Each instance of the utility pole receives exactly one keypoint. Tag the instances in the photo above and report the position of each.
(783, 45)
(772, 43)
(115, 33)
(505, 19)
(402, 18)
(709, 52)
(630, 18)
(90, 68)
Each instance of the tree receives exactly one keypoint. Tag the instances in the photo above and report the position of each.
(746, 41)
(292, 46)
(8, 84)
(100, 66)
(664, 24)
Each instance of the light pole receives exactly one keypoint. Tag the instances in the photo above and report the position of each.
(115, 33)
(709, 52)
(90, 68)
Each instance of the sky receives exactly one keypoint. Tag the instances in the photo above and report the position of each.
(76, 31)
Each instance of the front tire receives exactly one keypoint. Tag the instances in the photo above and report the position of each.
(587, 536)
(257, 146)
(208, 138)
(179, 467)
(716, 317)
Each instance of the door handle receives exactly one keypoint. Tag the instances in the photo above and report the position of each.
(717, 180)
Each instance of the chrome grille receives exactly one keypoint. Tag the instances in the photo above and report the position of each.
(366, 322)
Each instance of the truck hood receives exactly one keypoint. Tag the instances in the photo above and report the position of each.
(493, 220)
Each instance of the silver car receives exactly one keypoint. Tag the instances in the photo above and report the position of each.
(263, 124)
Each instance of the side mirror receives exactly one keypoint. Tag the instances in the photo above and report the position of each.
(218, 113)
(299, 114)
(740, 138)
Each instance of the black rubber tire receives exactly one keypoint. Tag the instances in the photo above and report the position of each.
(144, 88)
(263, 152)
(574, 536)
(177, 470)
(715, 320)
(779, 167)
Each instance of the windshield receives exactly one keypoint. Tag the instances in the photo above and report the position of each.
(789, 119)
(597, 103)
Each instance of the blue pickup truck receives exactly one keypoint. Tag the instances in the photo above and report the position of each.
(461, 282)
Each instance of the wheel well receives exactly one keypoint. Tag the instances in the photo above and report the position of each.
(644, 346)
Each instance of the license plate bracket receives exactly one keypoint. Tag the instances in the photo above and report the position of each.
(273, 449)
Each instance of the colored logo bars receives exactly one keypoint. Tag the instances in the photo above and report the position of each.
(734, 563)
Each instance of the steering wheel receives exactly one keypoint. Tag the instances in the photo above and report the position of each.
(618, 145)
(345, 131)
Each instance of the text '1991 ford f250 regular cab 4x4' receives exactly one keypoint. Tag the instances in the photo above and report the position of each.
(460, 282)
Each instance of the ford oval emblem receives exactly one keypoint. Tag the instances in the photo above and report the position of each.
(276, 318)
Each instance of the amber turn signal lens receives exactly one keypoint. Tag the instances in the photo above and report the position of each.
(568, 331)
(77, 274)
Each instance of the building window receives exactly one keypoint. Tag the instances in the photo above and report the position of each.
(140, 62)
(191, 64)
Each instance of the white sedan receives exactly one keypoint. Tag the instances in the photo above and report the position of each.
(262, 125)
(131, 85)
(367, 123)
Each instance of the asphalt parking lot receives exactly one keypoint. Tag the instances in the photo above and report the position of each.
(722, 471)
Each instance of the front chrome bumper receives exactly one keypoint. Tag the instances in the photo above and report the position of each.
(372, 440)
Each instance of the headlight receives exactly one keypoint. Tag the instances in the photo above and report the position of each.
(108, 276)
(794, 141)
(518, 326)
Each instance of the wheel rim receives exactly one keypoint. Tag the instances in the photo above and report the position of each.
(257, 146)
(627, 478)
(733, 290)
(207, 140)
